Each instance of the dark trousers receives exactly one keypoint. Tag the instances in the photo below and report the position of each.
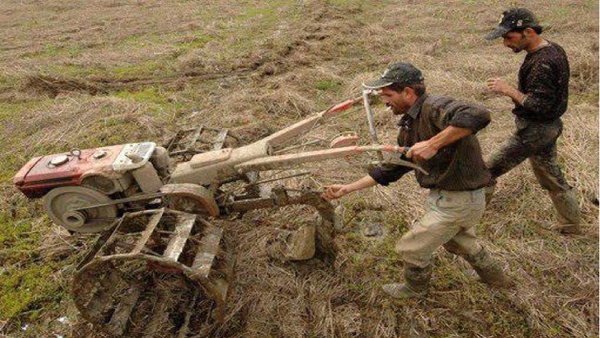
(535, 141)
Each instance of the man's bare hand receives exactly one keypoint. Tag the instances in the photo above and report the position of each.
(421, 151)
(335, 191)
(498, 85)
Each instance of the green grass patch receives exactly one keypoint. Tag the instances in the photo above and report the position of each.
(149, 95)
(22, 282)
(22, 287)
(153, 99)
(15, 237)
(259, 21)
(142, 69)
(56, 50)
(13, 111)
(50, 50)
(142, 40)
(345, 2)
(197, 41)
(477, 2)
(7, 82)
(75, 50)
(73, 70)
(328, 85)
(267, 12)
(9, 166)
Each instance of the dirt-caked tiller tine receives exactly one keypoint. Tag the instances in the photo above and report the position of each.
(159, 270)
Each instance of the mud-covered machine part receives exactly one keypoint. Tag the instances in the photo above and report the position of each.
(61, 204)
(160, 273)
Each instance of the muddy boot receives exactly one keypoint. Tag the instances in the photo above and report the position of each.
(488, 269)
(416, 283)
(567, 208)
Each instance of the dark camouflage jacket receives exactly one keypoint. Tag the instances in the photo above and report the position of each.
(458, 166)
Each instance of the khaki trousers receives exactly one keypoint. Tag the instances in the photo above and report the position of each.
(449, 221)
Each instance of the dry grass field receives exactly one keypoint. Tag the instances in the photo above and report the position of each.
(81, 74)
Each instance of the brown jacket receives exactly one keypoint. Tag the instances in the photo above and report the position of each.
(458, 166)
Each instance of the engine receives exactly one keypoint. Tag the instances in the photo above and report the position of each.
(106, 169)
(69, 182)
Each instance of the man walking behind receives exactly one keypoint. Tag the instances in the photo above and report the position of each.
(440, 133)
(540, 100)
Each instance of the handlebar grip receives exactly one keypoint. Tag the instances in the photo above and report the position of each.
(343, 106)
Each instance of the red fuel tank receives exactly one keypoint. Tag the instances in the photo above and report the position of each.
(43, 173)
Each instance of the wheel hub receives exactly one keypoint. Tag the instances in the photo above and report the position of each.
(62, 202)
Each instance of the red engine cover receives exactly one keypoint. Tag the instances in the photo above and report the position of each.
(43, 173)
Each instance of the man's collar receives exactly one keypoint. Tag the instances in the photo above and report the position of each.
(544, 43)
(416, 108)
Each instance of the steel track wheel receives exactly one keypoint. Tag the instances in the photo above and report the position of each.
(60, 203)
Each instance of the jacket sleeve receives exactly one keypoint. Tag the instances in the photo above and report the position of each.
(388, 173)
(460, 114)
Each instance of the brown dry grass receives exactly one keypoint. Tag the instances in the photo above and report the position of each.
(80, 74)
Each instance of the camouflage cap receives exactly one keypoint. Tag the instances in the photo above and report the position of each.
(513, 19)
(402, 73)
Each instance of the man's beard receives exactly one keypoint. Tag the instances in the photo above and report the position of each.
(395, 111)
